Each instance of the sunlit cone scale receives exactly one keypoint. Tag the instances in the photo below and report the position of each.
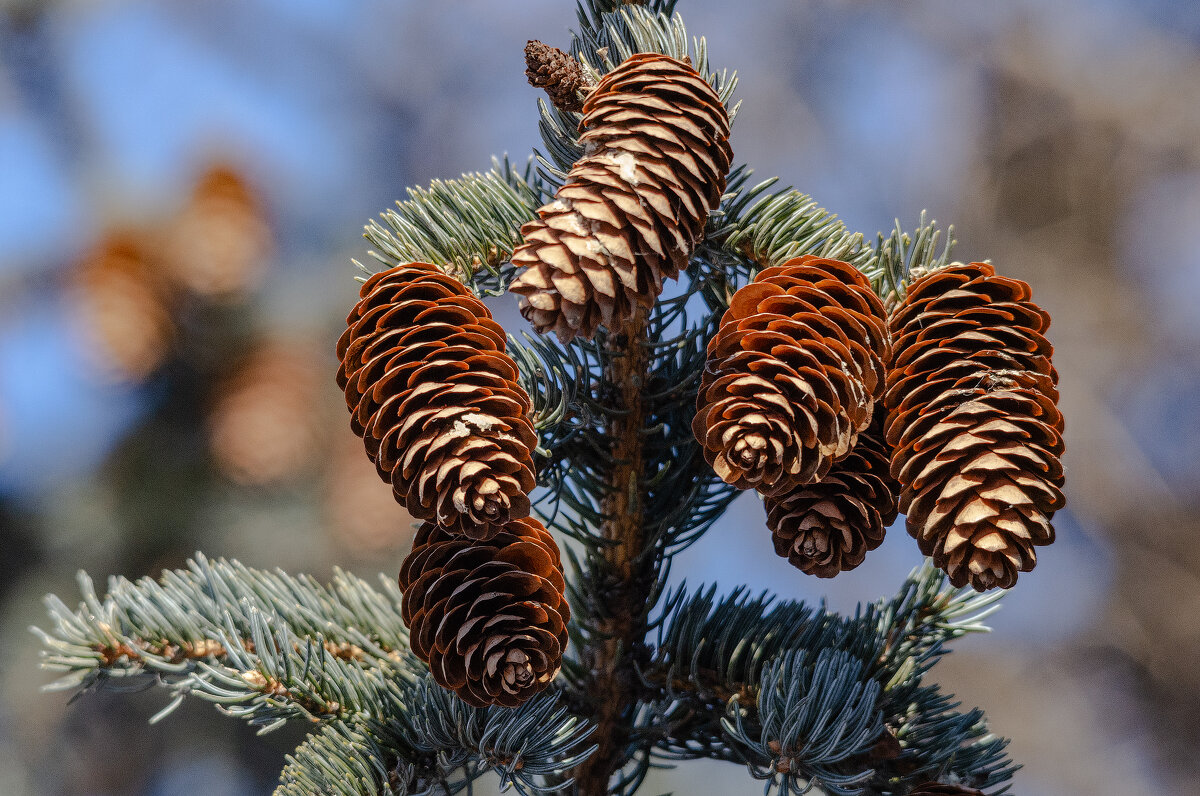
(792, 375)
(974, 423)
(634, 207)
(829, 526)
(435, 399)
(488, 617)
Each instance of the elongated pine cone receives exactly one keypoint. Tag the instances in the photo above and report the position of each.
(974, 425)
(556, 72)
(829, 526)
(634, 206)
(488, 617)
(435, 399)
(792, 375)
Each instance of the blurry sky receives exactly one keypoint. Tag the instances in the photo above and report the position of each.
(110, 108)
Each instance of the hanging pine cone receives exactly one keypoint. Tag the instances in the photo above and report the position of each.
(556, 72)
(973, 421)
(436, 400)
(488, 617)
(940, 789)
(792, 375)
(829, 526)
(634, 207)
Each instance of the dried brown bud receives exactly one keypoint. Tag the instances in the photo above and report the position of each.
(556, 72)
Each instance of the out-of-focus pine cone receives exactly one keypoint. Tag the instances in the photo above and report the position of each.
(940, 789)
(488, 617)
(436, 400)
(359, 512)
(556, 72)
(792, 375)
(973, 422)
(218, 246)
(634, 207)
(265, 426)
(123, 306)
(829, 526)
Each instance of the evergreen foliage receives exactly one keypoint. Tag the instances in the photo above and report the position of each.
(804, 697)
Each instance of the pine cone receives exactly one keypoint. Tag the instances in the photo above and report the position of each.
(939, 789)
(435, 398)
(829, 526)
(219, 246)
(792, 375)
(973, 421)
(265, 426)
(558, 73)
(488, 617)
(124, 307)
(634, 207)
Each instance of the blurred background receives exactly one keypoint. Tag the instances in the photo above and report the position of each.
(182, 186)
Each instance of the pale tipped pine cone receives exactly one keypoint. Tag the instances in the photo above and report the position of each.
(792, 375)
(829, 526)
(436, 400)
(974, 425)
(488, 617)
(634, 207)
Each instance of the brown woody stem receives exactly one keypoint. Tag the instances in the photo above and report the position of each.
(614, 684)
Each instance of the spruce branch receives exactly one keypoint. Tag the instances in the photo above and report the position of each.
(528, 746)
(359, 758)
(902, 257)
(468, 226)
(265, 646)
(713, 653)
(814, 716)
(789, 224)
(440, 745)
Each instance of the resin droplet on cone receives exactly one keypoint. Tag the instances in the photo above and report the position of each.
(974, 425)
(436, 400)
(488, 617)
(792, 375)
(634, 206)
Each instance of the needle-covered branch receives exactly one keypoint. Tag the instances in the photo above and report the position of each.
(468, 226)
(265, 646)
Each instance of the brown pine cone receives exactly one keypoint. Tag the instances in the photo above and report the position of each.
(634, 207)
(124, 307)
(940, 789)
(436, 400)
(219, 246)
(556, 72)
(829, 526)
(974, 425)
(265, 426)
(792, 375)
(488, 617)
